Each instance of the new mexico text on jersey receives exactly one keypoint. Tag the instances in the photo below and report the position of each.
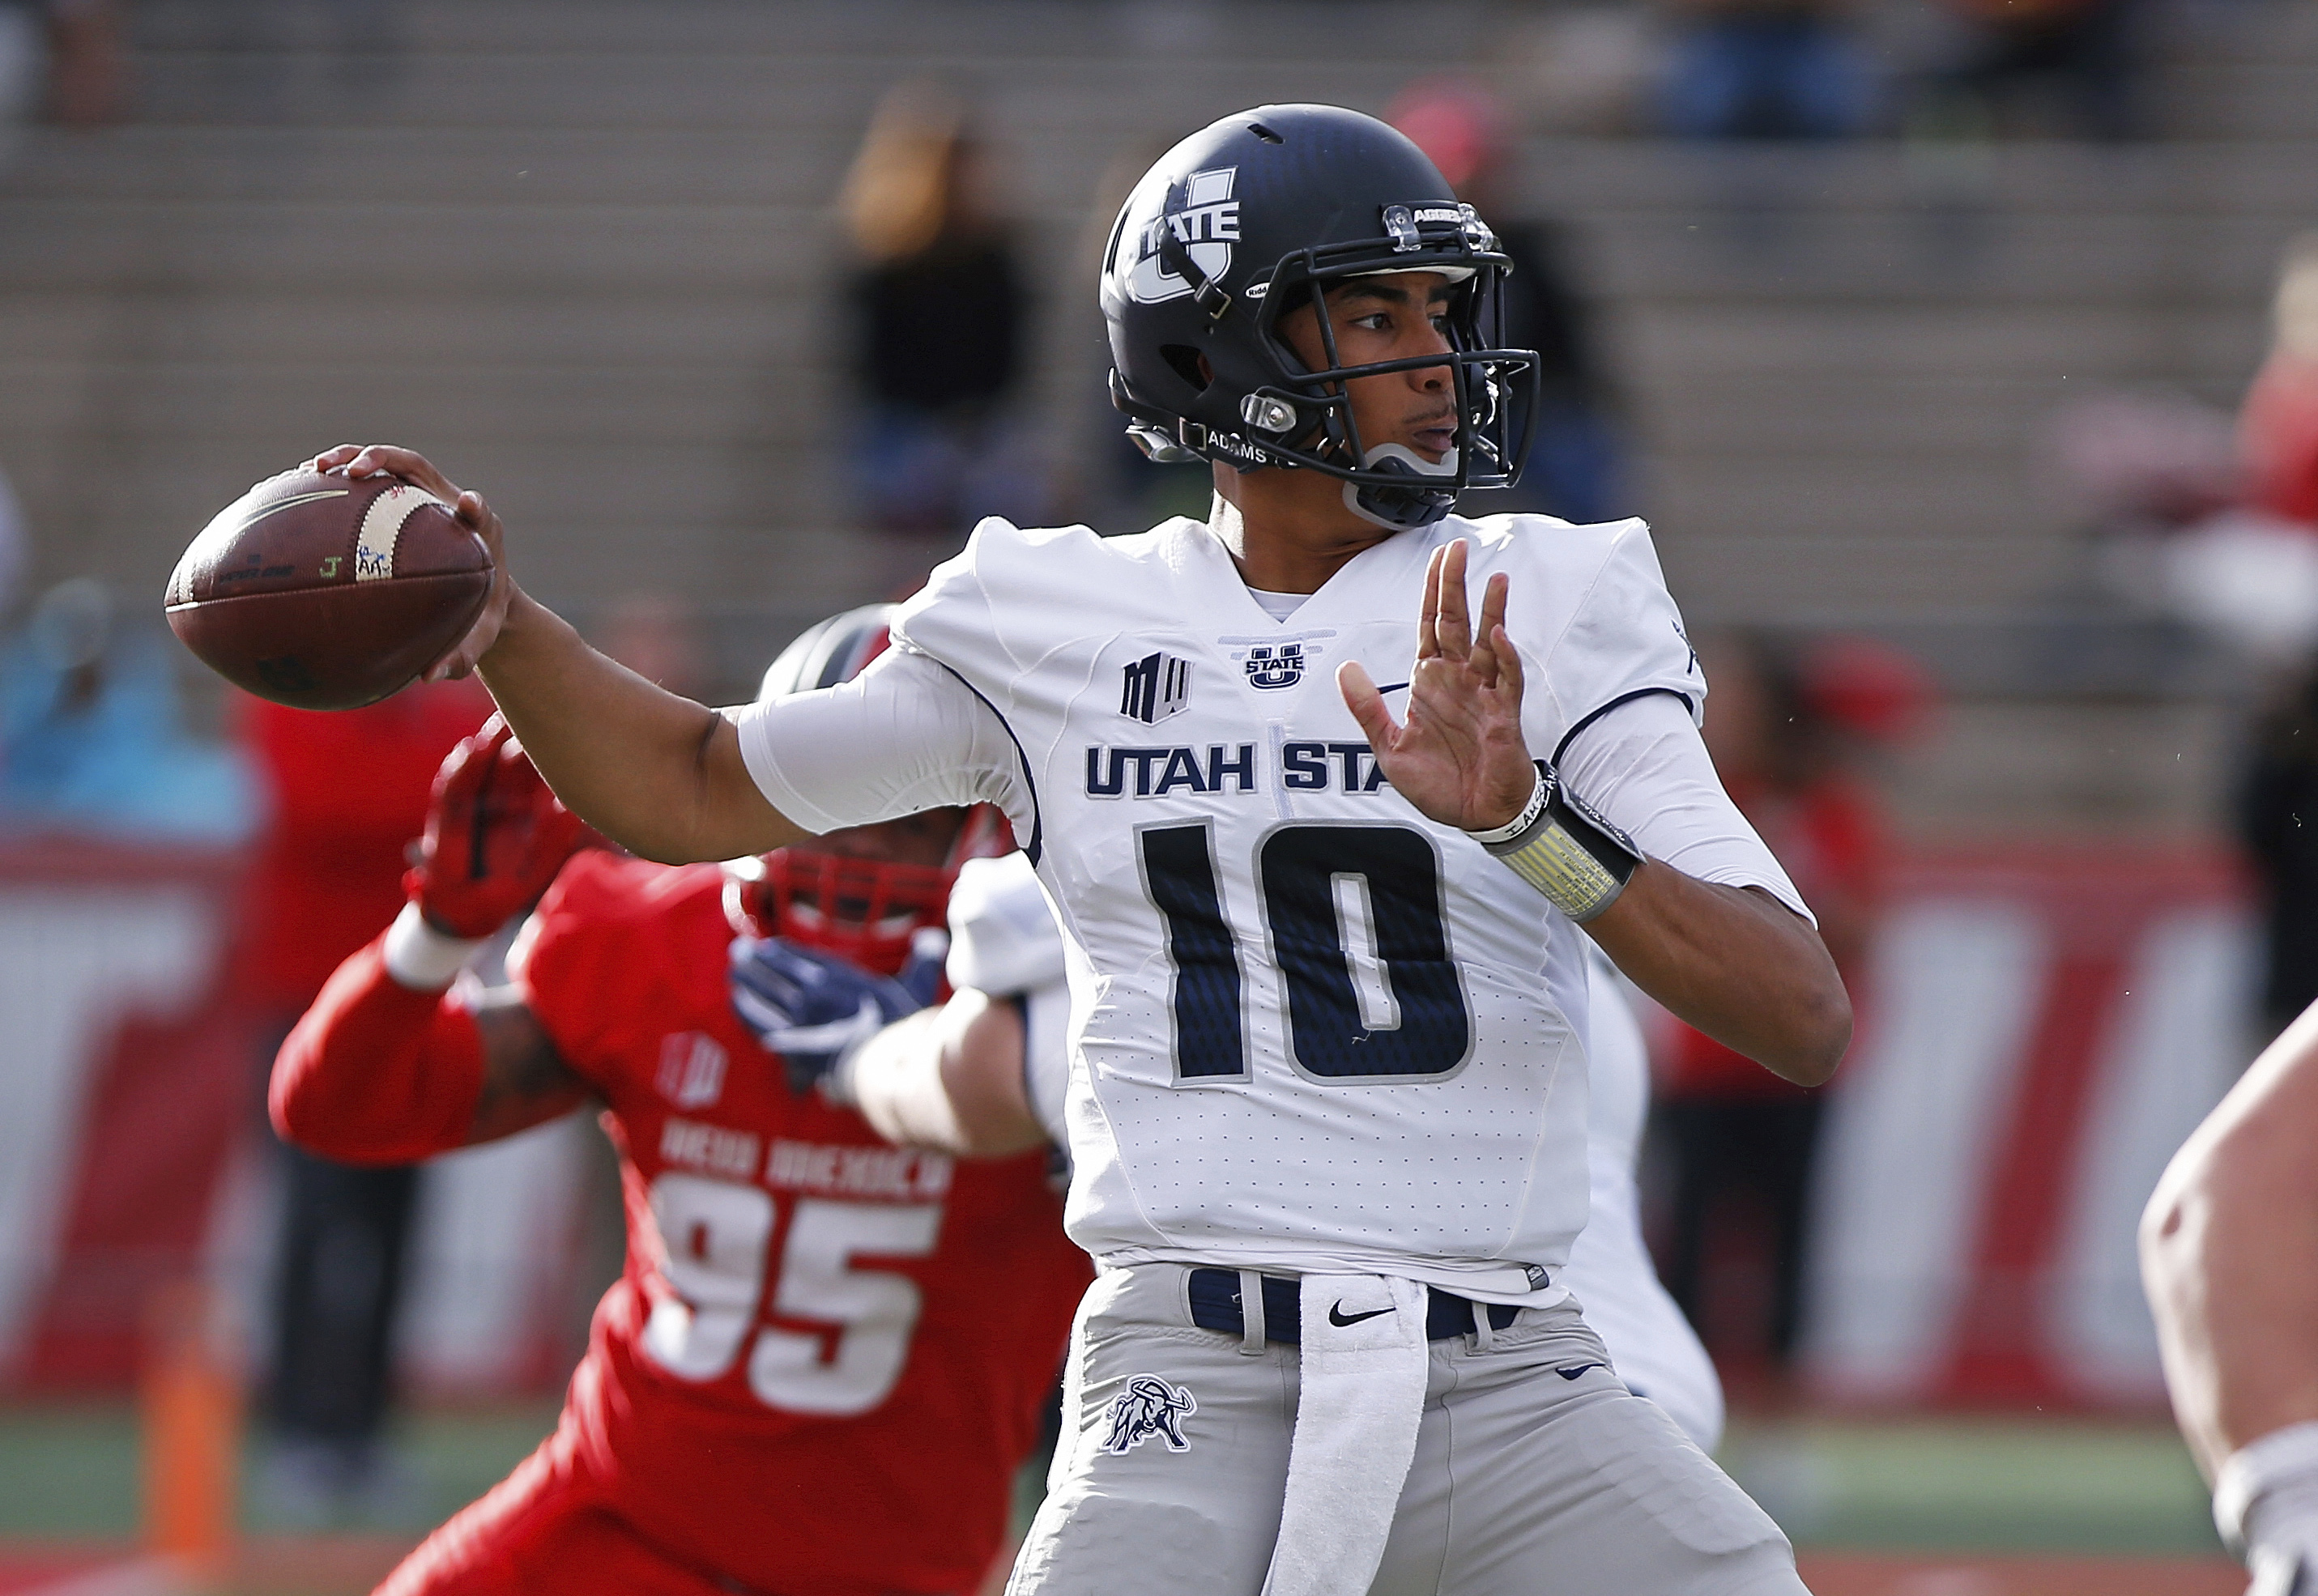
(825, 1355)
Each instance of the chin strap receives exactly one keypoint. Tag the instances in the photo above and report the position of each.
(1396, 507)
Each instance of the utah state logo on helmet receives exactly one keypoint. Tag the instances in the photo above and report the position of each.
(1262, 213)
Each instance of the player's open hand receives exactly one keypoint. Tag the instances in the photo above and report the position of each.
(372, 460)
(1459, 756)
(495, 837)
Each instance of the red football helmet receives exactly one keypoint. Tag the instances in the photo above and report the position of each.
(835, 892)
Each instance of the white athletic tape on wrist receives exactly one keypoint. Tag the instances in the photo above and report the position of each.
(1521, 822)
(1578, 860)
(2283, 1456)
(839, 1086)
(422, 958)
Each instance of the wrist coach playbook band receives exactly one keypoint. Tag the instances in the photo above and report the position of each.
(1566, 851)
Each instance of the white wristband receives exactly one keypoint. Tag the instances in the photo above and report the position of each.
(422, 958)
(1519, 822)
(2281, 1457)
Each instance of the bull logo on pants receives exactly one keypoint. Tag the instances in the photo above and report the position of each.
(1149, 1406)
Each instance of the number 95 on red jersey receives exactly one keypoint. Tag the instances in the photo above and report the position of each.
(826, 1356)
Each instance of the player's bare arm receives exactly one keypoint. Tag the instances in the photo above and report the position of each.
(949, 1079)
(2224, 1249)
(658, 774)
(525, 1081)
(1733, 962)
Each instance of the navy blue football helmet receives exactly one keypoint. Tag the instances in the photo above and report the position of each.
(1264, 211)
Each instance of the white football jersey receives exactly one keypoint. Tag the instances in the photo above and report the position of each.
(1003, 940)
(1316, 1031)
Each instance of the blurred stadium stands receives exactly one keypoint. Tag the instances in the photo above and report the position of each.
(582, 254)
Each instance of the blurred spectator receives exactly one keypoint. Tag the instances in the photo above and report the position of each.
(2081, 53)
(1577, 462)
(349, 796)
(23, 60)
(2214, 525)
(1767, 69)
(1593, 69)
(92, 737)
(1786, 728)
(2279, 427)
(85, 66)
(61, 57)
(2277, 821)
(939, 327)
(2277, 810)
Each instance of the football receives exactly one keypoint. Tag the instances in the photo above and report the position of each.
(320, 591)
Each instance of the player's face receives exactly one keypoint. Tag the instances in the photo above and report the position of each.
(1399, 316)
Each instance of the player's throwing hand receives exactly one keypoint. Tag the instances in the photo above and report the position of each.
(1459, 758)
(372, 460)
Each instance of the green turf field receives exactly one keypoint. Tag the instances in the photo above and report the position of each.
(1936, 1488)
(1977, 1484)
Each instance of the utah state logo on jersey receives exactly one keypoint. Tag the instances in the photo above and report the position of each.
(1279, 665)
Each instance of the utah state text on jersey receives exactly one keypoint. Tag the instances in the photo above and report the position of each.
(1116, 772)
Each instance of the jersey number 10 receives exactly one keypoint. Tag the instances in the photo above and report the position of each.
(1355, 922)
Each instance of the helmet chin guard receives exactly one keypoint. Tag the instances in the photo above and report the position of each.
(1405, 507)
(1264, 212)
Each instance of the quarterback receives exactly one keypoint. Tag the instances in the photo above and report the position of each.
(1322, 834)
(826, 1357)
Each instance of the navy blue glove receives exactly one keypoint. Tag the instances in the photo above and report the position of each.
(811, 1008)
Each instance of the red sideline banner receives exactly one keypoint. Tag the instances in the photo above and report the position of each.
(2043, 1028)
(134, 1151)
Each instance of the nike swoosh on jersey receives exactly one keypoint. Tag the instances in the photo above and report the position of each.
(1336, 1314)
(1573, 1371)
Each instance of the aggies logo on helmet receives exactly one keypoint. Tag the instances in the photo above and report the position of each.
(1206, 221)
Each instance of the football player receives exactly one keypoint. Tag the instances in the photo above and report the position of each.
(2229, 1253)
(826, 1356)
(985, 1075)
(1323, 839)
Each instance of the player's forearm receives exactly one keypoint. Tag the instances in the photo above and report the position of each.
(1736, 964)
(658, 774)
(376, 1073)
(2223, 1250)
(948, 1079)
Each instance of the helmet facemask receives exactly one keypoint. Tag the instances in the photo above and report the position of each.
(867, 912)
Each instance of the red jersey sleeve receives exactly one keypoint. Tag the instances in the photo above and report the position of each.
(375, 1073)
(591, 960)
